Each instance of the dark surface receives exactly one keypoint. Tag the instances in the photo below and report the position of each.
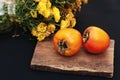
(16, 53)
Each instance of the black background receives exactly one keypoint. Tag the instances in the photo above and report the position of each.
(16, 53)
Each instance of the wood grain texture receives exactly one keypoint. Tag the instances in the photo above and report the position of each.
(45, 58)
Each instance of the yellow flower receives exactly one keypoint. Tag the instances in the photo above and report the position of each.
(41, 7)
(34, 32)
(44, 8)
(44, 1)
(48, 4)
(56, 13)
(78, 2)
(51, 28)
(64, 24)
(33, 13)
(69, 21)
(42, 27)
(72, 22)
(41, 36)
(47, 13)
(69, 15)
(47, 33)
(36, 0)
(71, 8)
(85, 1)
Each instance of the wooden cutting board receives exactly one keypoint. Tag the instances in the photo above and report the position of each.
(45, 58)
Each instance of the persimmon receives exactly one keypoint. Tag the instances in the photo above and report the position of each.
(67, 41)
(95, 40)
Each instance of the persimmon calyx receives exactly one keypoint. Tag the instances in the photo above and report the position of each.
(86, 36)
(62, 46)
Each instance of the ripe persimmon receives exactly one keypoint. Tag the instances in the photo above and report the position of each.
(67, 41)
(95, 40)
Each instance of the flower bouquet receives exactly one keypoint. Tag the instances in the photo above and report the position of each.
(41, 17)
(44, 17)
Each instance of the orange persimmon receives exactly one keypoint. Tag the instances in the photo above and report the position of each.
(67, 41)
(95, 40)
